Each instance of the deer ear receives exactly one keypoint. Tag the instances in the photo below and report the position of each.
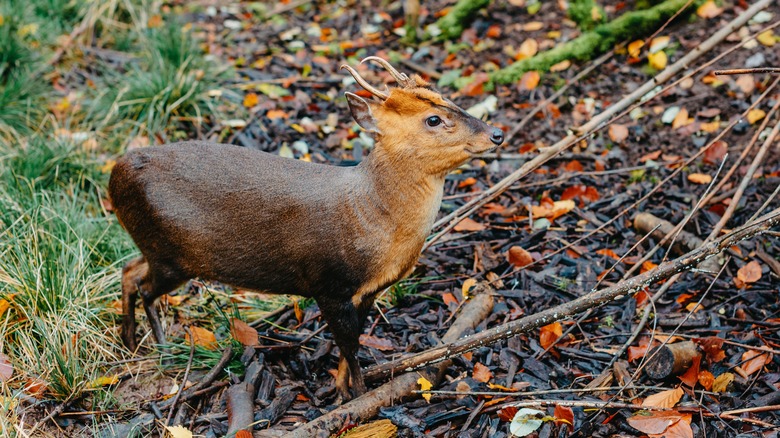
(361, 112)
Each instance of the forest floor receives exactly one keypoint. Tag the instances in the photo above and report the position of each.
(80, 84)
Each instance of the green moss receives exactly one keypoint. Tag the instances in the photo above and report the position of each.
(582, 12)
(629, 26)
(454, 23)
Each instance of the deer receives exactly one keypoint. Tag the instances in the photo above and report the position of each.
(254, 220)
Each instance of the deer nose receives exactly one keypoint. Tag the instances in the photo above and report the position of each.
(497, 137)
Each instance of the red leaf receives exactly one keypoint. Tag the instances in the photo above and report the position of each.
(507, 413)
(549, 334)
(635, 353)
(481, 373)
(692, 375)
(243, 333)
(712, 348)
(564, 413)
(715, 153)
(519, 257)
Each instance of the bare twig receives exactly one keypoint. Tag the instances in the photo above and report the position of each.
(593, 299)
(184, 379)
(745, 71)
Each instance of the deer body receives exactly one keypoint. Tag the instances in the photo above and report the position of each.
(258, 221)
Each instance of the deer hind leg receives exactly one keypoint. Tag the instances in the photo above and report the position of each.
(133, 276)
(346, 324)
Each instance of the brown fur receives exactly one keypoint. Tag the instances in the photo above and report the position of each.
(259, 221)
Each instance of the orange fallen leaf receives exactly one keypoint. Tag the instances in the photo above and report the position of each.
(708, 10)
(705, 379)
(519, 257)
(750, 273)
(243, 333)
(715, 153)
(448, 299)
(664, 399)
(608, 252)
(634, 48)
(527, 49)
(680, 429)
(722, 382)
(712, 347)
(658, 60)
(276, 114)
(564, 414)
(250, 100)
(202, 337)
(653, 422)
(691, 376)
(700, 178)
(529, 80)
(755, 115)
(549, 334)
(681, 119)
(425, 385)
(618, 133)
(481, 373)
(753, 361)
(468, 224)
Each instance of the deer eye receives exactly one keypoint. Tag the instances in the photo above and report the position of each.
(433, 121)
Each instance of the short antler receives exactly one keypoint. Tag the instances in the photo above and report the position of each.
(362, 82)
(402, 79)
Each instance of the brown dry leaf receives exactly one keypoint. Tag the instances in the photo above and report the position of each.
(647, 266)
(277, 114)
(715, 153)
(527, 49)
(746, 83)
(532, 26)
(243, 333)
(469, 224)
(529, 80)
(680, 429)
(574, 166)
(508, 413)
(650, 156)
(179, 432)
(203, 337)
(709, 10)
(549, 334)
(755, 115)
(6, 369)
(448, 299)
(493, 31)
(481, 373)
(635, 353)
(519, 257)
(699, 178)
(750, 273)
(247, 434)
(664, 399)
(618, 133)
(753, 361)
(681, 119)
(554, 211)
(709, 127)
(470, 181)
(706, 379)
(608, 252)
(36, 387)
(250, 100)
(564, 414)
(691, 376)
(382, 344)
(653, 422)
(467, 285)
(721, 383)
(712, 347)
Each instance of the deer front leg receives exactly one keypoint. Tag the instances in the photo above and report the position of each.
(346, 324)
(133, 276)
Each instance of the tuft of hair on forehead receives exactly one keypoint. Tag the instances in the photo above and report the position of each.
(413, 100)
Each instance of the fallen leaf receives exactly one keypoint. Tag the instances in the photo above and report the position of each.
(525, 422)
(708, 10)
(449, 299)
(561, 66)
(664, 399)
(529, 80)
(467, 285)
(467, 182)
(200, 336)
(154, 21)
(36, 387)
(653, 422)
(468, 224)
(753, 361)
(519, 257)
(180, 432)
(746, 83)
(574, 166)
(250, 100)
(706, 379)
(493, 31)
(722, 382)
(104, 381)
(608, 252)
(481, 373)
(635, 47)
(691, 376)
(533, 26)
(681, 119)
(564, 414)
(243, 333)
(507, 413)
(767, 38)
(658, 60)
(618, 133)
(647, 266)
(425, 385)
(382, 344)
(659, 43)
(755, 115)
(680, 429)
(750, 273)
(243, 433)
(635, 353)
(712, 347)
(277, 114)
(699, 178)
(715, 153)
(6, 369)
(554, 211)
(549, 334)
(527, 49)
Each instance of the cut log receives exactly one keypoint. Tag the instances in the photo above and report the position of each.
(671, 360)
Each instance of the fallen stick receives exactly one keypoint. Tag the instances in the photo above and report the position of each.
(448, 222)
(591, 300)
(367, 405)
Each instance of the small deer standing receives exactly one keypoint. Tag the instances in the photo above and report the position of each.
(259, 221)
